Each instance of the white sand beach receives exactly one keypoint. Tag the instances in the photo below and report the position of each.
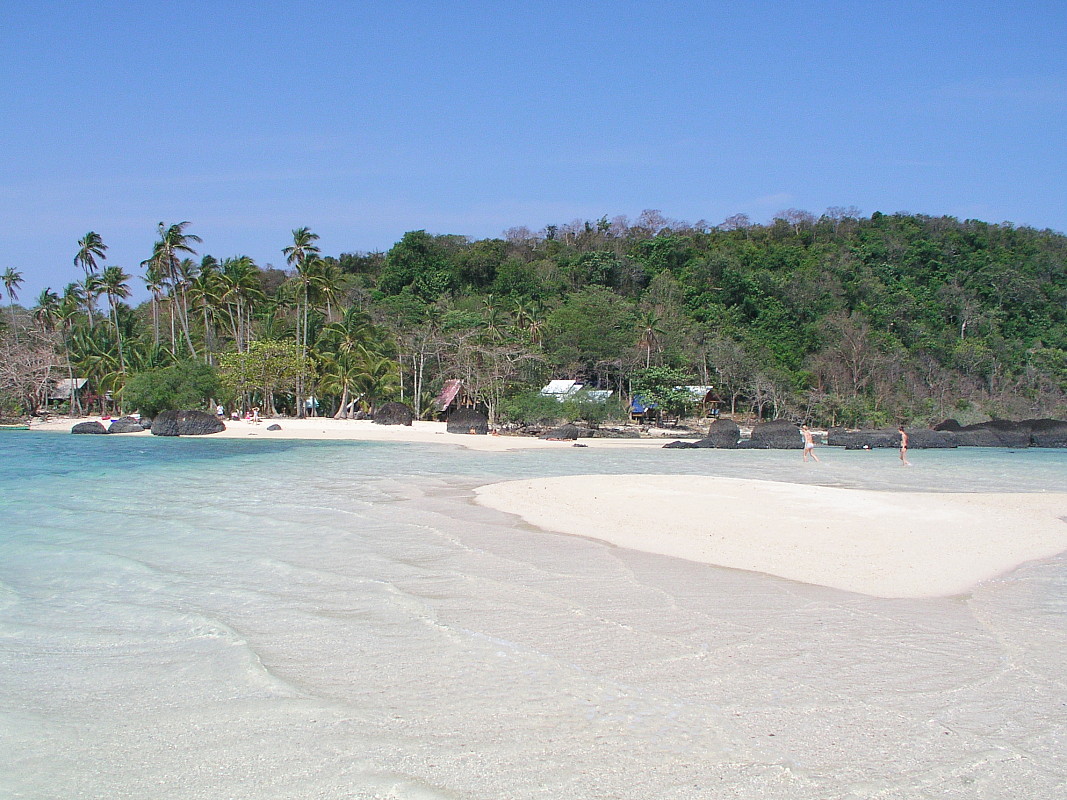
(886, 544)
(327, 428)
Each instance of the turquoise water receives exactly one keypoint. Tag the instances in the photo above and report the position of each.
(199, 618)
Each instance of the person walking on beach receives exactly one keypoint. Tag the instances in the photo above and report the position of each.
(809, 443)
(903, 447)
(255, 415)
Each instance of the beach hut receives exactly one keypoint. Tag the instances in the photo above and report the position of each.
(453, 396)
(641, 410)
(705, 398)
(561, 390)
(66, 389)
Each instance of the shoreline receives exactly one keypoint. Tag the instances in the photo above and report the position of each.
(884, 544)
(328, 428)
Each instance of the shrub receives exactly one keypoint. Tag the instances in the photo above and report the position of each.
(185, 385)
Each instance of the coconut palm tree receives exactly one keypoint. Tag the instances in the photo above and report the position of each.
(345, 347)
(113, 282)
(651, 330)
(12, 279)
(90, 248)
(302, 256)
(46, 312)
(174, 241)
(240, 291)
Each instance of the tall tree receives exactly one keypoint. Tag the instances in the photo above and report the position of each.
(302, 256)
(113, 281)
(91, 248)
(12, 279)
(173, 242)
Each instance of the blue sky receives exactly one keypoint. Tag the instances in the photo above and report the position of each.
(366, 120)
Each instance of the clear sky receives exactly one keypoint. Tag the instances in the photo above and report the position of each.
(363, 120)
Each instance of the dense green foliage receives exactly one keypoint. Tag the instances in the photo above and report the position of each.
(187, 384)
(835, 319)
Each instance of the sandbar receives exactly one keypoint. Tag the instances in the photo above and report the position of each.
(885, 544)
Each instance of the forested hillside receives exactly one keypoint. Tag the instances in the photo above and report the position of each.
(833, 319)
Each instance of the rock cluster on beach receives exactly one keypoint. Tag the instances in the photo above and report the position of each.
(784, 435)
(186, 423)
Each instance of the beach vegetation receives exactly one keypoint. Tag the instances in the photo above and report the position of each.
(836, 319)
(187, 384)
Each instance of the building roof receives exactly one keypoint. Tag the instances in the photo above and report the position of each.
(448, 393)
(599, 395)
(561, 390)
(62, 389)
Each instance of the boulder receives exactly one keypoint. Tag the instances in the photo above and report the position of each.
(722, 434)
(918, 439)
(1047, 432)
(125, 425)
(274, 427)
(680, 445)
(186, 423)
(89, 427)
(567, 432)
(995, 433)
(393, 414)
(466, 420)
(778, 434)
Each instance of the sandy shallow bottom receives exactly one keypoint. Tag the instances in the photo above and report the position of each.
(887, 544)
(199, 619)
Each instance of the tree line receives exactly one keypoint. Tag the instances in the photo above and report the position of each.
(834, 319)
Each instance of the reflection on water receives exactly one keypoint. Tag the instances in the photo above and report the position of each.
(184, 619)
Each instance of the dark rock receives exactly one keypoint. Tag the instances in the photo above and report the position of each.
(778, 434)
(679, 445)
(125, 425)
(722, 434)
(995, 433)
(929, 439)
(393, 414)
(165, 423)
(918, 439)
(274, 427)
(947, 425)
(1047, 432)
(186, 423)
(567, 432)
(89, 427)
(465, 420)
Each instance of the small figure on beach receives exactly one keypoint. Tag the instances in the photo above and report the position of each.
(255, 415)
(220, 412)
(903, 447)
(809, 443)
(235, 415)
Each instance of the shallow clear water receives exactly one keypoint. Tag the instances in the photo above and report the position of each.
(207, 619)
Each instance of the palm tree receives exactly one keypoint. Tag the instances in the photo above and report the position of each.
(155, 282)
(651, 330)
(240, 290)
(90, 248)
(346, 346)
(173, 240)
(12, 279)
(300, 255)
(70, 304)
(46, 312)
(113, 282)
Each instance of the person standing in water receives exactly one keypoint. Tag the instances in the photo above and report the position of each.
(903, 447)
(809, 443)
